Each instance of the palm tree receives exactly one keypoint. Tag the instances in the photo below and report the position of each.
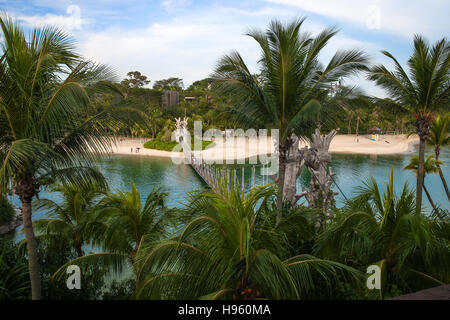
(44, 87)
(73, 218)
(424, 90)
(430, 166)
(359, 113)
(382, 228)
(440, 137)
(228, 250)
(350, 116)
(129, 224)
(285, 94)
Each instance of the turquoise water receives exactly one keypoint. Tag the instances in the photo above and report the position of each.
(352, 169)
(179, 180)
(146, 173)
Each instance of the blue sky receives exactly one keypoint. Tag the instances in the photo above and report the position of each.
(185, 38)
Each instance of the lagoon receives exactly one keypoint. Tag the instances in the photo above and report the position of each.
(178, 180)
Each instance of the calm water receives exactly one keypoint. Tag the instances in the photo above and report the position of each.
(352, 169)
(178, 180)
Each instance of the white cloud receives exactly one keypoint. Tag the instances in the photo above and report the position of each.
(189, 45)
(69, 22)
(399, 17)
(184, 49)
(171, 5)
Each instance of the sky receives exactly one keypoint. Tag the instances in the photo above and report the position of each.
(186, 38)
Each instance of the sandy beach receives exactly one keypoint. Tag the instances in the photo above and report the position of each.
(243, 148)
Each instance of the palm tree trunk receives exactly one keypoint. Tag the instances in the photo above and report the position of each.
(357, 127)
(420, 175)
(437, 153)
(444, 182)
(33, 263)
(79, 248)
(429, 197)
(281, 173)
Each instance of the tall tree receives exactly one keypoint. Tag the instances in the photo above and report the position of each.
(175, 84)
(440, 137)
(290, 83)
(424, 89)
(135, 80)
(44, 87)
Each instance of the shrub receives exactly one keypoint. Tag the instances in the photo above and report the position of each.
(168, 146)
(6, 211)
(14, 278)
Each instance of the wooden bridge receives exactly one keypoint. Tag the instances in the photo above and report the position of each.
(211, 174)
(205, 171)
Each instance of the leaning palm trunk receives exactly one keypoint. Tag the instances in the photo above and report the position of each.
(443, 181)
(429, 197)
(437, 152)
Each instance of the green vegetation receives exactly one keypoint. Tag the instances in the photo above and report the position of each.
(45, 90)
(292, 84)
(382, 228)
(422, 91)
(430, 166)
(14, 279)
(70, 221)
(169, 146)
(59, 112)
(440, 137)
(246, 260)
(6, 211)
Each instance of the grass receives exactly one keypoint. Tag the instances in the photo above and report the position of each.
(168, 146)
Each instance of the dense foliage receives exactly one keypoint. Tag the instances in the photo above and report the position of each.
(6, 211)
(169, 146)
(59, 111)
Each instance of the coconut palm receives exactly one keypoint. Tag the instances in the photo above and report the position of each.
(44, 87)
(440, 137)
(424, 89)
(359, 113)
(73, 218)
(285, 94)
(129, 224)
(430, 166)
(229, 251)
(382, 228)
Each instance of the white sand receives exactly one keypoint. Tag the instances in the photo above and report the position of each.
(242, 148)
